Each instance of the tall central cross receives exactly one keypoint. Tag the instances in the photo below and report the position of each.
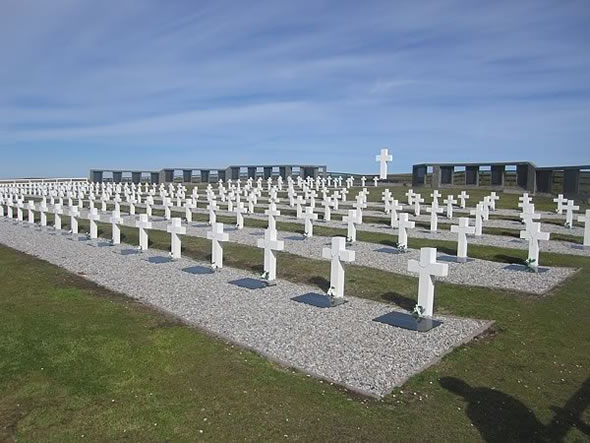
(337, 254)
(216, 235)
(383, 158)
(427, 268)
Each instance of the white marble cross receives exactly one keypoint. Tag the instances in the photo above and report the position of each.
(434, 210)
(239, 209)
(449, 201)
(493, 198)
(327, 203)
(19, 210)
(560, 200)
(31, 211)
(189, 205)
(270, 244)
(175, 229)
(167, 203)
(435, 195)
(528, 215)
(524, 200)
(417, 200)
(309, 216)
(463, 196)
(533, 234)
(74, 214)
(394, 206)
(427, 268)
(93, 217)
(586, 220)
(410, 194)
(143, 224)
(212, 207)
(43, 211)
(359, 206)
(569, 213)
(216, 235)
(402, 224)
(478, 212)
(363, 181)
(57, 211)
(337, 253)
(115, 219)
(462, 230)
(350, 219)
(383, 158)
(272, 212)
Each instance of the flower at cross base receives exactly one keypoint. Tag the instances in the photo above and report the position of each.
(418, 311)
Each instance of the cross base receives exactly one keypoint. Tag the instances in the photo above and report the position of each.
(408, 321)
(336, 301)
(461, 259)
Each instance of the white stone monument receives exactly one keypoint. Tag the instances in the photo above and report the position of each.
(143, 224)
(462, 230)
(309, 216)
(533, 234)
(402, 224)
(337, 254)
(427, 268)
(175, 229)
(586, 220)
(115, 220)
(270, 244)
(383, 158)
(216, 235)
(93, 217)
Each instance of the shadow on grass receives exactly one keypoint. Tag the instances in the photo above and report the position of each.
(502, 417)
(400, 300)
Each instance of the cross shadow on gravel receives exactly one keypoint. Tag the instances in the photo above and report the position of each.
(502, 417)
(320, 282)
(159, 259)
(508, 259)
(198, 270)
(400, 300)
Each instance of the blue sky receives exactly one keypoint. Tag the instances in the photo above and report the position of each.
(152, 84)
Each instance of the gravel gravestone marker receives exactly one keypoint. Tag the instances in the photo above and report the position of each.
(212, 207)
(43, 212)
(449, 201)
(19, 210)
(337, 254)
(142, 224)
(270, 244)
(462, 230)
(350, 219)
(427, 268)
(434, 210)
(478, 212)
(216, 235)
(272, 212)
(57, 212)
(463, 197)
(74, 214)
(417, 199)
(533, 234)
(393, 208)
(175, 228)
(239, 209)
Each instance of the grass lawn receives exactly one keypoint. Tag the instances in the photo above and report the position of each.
(77, 360)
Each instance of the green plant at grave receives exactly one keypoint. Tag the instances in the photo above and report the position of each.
(264, 275)
(418, 312)
(331, 292)
(567, 225)
(401, 248)
(530, 264)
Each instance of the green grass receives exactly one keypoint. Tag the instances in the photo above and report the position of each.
(76, 359)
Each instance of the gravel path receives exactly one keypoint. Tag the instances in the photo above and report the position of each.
(342, 344)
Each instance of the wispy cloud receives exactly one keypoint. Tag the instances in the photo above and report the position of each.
(317, 79)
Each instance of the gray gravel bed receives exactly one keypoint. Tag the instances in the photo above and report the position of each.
(342, 344)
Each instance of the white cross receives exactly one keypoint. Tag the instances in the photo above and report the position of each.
(19, 210)
(493, 198)
(309, 216)
(175, 228)
(560, 200)
(327, 203)
(393, 208)
(337, 254)
(360, 205)
(410, 194)
(533, 234)
(43, 211)
(188, 206)
(434, 210)
(478, 212)
(239, 209)
(375, 181)
(417, 200)
(528, 214)
(167, 203)
(212, 207)
(270, 244)
(142, 224)
(216, 235)
(383, 158)
(31, 209)
(435, 195)
(525, 200)
(462, 230)
(569, 213)
(351, 228)
(57, 211)
(463, 196)
(586, 220)
(93, 217)
(74, 213)
(402, 224)
(449, 201)
(115, 219)
(427, 268)
(272, 212)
